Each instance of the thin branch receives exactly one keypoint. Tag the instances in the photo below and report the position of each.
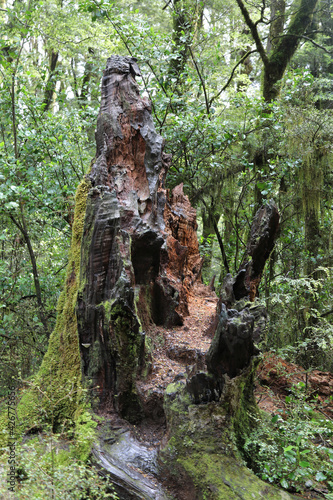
(308, 39)
(201, 80)
(326, 313)
(232, 75)
(166, 5)
(254, 32)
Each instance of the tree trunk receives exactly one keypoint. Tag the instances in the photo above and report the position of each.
(51, 82)
(134, 259)
(275, 63)
(134, 256)
(187, 20)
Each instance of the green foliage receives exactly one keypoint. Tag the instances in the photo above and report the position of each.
(48, 467)
(299, 326)
(293, 448)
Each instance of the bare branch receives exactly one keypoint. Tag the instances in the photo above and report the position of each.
(254, 32)
(242, 59)
(202, 82)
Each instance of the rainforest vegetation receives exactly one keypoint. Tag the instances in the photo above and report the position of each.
(242, 93)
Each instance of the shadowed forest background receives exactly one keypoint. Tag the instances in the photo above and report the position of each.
(242, 92)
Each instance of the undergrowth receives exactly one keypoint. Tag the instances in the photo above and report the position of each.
(48, 467)
(293, 448)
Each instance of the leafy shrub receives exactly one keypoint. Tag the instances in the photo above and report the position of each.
(48, 468)
(293, 448)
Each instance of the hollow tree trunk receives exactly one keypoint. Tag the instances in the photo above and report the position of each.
(134, 254)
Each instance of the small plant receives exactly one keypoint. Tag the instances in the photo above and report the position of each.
(49, 469)
(292, 448)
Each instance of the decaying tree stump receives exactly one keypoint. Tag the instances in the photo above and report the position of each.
(133, 259)
(139, 252)
(238, 322)
(261, 242)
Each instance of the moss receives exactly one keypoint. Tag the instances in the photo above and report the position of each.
(56, 393)
(85, 435)
(202, 447)
(173, 388)
(129, 346)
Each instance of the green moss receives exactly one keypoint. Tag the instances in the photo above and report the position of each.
(173, 388)
(85, 435)
(203, 443)
(56, 393)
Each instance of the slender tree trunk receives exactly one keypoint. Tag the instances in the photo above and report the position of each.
(187, 20)
(21, 225)
(312, 238)
(275, 63)
(207, 239)
(51, 82)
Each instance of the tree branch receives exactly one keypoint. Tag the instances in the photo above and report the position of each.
(201, 80)
(308, 39)
(253, 28)
(242, 59)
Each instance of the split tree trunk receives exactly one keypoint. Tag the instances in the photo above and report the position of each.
(133, 259)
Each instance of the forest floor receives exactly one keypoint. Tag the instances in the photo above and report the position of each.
(276, 377)
(178, 350)
(179, 347)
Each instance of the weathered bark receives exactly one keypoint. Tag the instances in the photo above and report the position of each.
(139, 242)
(238, 325)
(261, 242)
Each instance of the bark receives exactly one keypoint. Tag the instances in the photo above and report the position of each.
(261, 242)
(51, 82)
(286, 48)
(278, 8)
(275, 63)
